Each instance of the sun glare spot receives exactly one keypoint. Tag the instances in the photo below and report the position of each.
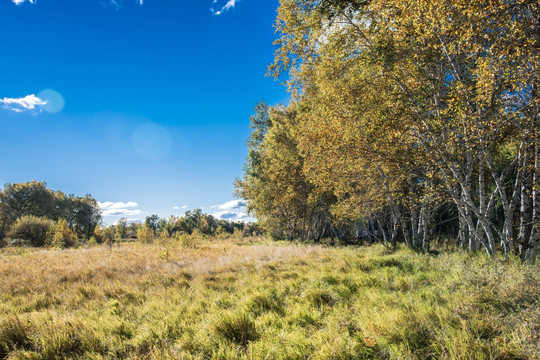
(55, 100)
(152, 141)
(115, 128)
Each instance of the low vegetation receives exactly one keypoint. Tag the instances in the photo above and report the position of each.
(254, 299)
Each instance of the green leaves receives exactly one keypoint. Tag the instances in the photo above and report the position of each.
(33, 198)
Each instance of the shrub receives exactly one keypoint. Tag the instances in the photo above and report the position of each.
(237, 234)
(63, 235)
(37, 231)
(109, 235)
(98, 235)
(190, 240)
(164, 234)
(104, 234)
(145, 234)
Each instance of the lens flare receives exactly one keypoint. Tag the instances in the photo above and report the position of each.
(115, 128)
(152, 141)
(55, 100)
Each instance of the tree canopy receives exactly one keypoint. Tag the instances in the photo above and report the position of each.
(411, 118)
(33, 199)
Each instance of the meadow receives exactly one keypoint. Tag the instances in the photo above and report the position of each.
(256, 299)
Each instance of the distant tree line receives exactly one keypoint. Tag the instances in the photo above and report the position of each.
(193, 224)
(409, 121)
(33, 214)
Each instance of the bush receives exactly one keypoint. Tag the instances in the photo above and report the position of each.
(145, 234)
(104, 234)
(63, 235)
(192, 240)
(237, 234)
(98, 235)
(37, 231)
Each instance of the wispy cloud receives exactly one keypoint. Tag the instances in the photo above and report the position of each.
(234, 210)
(110, 208)
(114, 3)
(228, 5)
(29, 102)
(19, 2)
(117, 4)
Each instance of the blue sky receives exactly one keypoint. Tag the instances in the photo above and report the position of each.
(144, 104)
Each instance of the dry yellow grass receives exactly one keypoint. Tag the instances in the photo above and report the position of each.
(30, 273)
(258, 299)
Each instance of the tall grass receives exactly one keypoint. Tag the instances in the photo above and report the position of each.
(262, 300)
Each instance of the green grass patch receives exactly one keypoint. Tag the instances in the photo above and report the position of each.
(226, 300)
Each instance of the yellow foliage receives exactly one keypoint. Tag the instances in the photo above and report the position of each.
(145, 235)
(63, 235)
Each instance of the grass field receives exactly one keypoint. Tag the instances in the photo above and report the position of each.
(262, 300)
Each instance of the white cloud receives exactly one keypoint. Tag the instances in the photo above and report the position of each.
(29, 102)
(184, 207)
(176, 207)
(230, 205)
(110, 208)
(234, 210)
(228, 5)
(19, 2)
(230, 215)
